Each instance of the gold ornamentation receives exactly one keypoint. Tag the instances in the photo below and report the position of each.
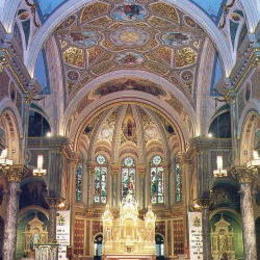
(243, 174)
(185, 57)
(163, 53)
(102, 21)
(36, 233)
(96, 54)
(222, 240)
(103, 67)
(15, 173)
(128, 234)
(156, 67)
(159, 22)
(94, 10)
(74, 56)
(164, 10)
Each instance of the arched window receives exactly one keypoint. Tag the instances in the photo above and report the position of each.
(101, 180)
(128, 176)
(178, 182)
(79, 177)
(157, 180)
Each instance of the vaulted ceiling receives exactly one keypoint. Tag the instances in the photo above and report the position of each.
(147, 35)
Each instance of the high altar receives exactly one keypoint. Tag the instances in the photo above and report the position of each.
(129, 236)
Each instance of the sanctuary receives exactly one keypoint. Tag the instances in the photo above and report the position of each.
(129, 129)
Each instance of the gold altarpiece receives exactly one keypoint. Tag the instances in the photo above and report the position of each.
(222, 240)
(129, 235)
(36, 233)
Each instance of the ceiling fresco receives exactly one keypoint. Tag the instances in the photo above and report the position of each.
(146, 35)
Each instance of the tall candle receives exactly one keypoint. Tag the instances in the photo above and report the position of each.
(220, 162)
(40, 161)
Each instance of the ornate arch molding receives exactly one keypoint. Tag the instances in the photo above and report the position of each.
(247, 134)
(166, 85)
(252, 106)
(129, 97)
(11, 118)
(186, 6)
(252, 11)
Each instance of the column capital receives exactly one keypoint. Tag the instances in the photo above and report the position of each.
(16, 173)
(243, 174)
(54, 202)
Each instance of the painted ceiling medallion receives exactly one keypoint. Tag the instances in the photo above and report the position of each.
(129, 36)
(85, 39)
(129, 58)
(129, 12)
(176, 39)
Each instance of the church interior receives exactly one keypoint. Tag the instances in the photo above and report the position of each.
(129, 130)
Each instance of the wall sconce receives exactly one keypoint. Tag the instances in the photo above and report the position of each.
(5, 163)
(39, 171)
(255, 162)
(220, 172)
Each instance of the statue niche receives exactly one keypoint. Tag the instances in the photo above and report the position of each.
(129, 235)
(36, 233)
(222, 237)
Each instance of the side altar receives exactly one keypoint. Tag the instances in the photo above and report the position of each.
(129, 236)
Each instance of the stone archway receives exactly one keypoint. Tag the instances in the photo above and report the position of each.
(249, 142)
(11, 134)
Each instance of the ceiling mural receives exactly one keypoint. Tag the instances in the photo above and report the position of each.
(144, 35)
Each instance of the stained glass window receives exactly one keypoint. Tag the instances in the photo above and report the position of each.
(128, 176)
(178, 183)
(157, 180)
(101, 180)
(79, 177)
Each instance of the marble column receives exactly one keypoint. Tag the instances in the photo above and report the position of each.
(53, 205)
(14, 176)
(246, 179)
(206, 234)
(204, 203)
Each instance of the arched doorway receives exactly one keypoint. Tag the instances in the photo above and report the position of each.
(98, 244)
(257, 231)
(159, 240)
(1, 237)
